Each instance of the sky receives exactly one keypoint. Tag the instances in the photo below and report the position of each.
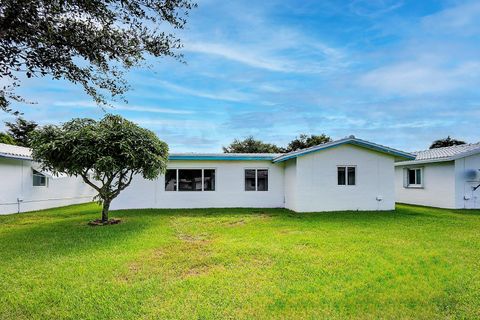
(398, 73)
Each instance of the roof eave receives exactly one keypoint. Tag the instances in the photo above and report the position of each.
(15, 157)
(220, 158)
(357, 142)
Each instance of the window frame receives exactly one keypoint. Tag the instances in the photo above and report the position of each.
(407, 178)
(177, 185)
(347, 166)
(256, 179)
(37, 174)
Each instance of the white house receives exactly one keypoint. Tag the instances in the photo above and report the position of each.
(444, 177)
(348, 174)
(24, 187)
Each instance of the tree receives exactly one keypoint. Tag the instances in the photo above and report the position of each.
(250, 145)
(106, 154)
(447, 142)
(20, 131)
(5, 138)
(304, 141)
(87, 42)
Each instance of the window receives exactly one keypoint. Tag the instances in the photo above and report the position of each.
(171, 180)
(256, 179)
(39, 180)
(190, 180)
(414, 177)
(346, 175)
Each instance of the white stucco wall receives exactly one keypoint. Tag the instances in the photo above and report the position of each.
(438, 188)
(317, 188)
(291, 184)
(467, 176)
(16, 181)
(229, 189)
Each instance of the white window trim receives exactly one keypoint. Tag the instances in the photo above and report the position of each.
(191, 168)
(414, 185)
(256, 179)
(346, 166)
(37, 173)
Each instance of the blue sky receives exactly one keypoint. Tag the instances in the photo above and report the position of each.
(400, 73)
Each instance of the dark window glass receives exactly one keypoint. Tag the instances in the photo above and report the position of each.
(39, 180)
(190, 180)
(351, 176)
(341, 176)
(419, 176)
(209, 180)
(262, 180)
(250, 180)
(411, 176)
(171, 180)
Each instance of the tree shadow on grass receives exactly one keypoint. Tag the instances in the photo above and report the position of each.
(46, 235)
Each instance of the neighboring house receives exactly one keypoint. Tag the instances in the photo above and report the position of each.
(25, 187)
(348, 174)
(443, 177)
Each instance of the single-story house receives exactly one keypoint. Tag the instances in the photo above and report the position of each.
(444, 177)
(347, 174)
(25, 187)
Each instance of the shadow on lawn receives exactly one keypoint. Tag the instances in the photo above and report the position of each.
(45, 235)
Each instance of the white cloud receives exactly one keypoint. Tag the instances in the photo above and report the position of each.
(462, 19)
(91, 104)
(284, 50)
(419, 77)
(227, 95)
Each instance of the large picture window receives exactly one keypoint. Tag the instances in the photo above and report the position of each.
(256, 179)
(346, 175)
(190, 180)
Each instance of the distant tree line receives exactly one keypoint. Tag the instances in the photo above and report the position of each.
(252, 145)
(446, 142)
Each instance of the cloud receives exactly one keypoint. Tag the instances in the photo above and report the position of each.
(374, 8)
(304, 55)
(227, 95)
(91, 104)
(461, 20)
(420, 77)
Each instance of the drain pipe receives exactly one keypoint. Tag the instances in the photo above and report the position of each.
(19, 200)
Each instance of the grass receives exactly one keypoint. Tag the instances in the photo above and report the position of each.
(416, 262)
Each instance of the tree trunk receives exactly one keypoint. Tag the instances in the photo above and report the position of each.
(106, 207)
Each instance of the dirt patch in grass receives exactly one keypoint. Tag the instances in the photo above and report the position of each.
(99, 222)
(193, 238)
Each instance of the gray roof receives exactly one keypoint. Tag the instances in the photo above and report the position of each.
(444, 154)
(15, 152)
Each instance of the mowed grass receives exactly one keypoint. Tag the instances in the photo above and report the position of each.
(417, 263)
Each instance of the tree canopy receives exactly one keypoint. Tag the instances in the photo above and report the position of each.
(20, 131)
(306, 141)
(87, 42)
(5, 138)
(251, 145)
(106, 153)
(446, 142)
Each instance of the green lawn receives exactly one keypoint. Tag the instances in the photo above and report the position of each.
(418, 263)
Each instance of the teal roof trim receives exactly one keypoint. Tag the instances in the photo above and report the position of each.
(222, 158)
